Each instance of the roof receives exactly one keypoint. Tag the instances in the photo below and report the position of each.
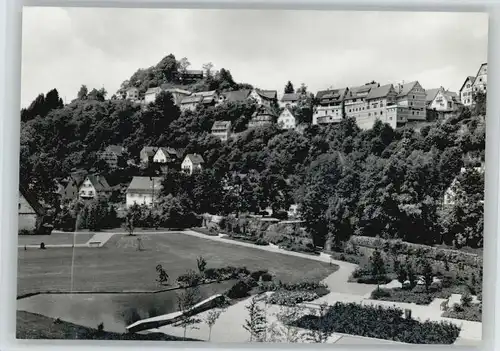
(353, 92)
(195, 158)
(406, 88)
(471, 78)
(31, 199)
(238, 95)
(431, 94)
(262, 111)
(331, 95)
(221, 125)
(193, 71)
(168, 151)
(99, 182)
(145, 184)
(193, 99)
(132, 88)
(164, 87)
(380, 92)
(115, 148)
(202, 96)
(289, 110)
(154, 90)
(267, 94)
(150, 150)
(290, 97)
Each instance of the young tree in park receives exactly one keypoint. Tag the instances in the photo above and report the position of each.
(162, 275)
(185, 301)
(211, 318)
(410, 271)
(284, 330)
(202, 264)
(256, 323)
(427, 273)
(401, 272)
(377, 267)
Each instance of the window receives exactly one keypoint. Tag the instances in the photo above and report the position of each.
(413, 97)
(411, 103)
(480, 79)
(349, 110)
(19, 206)
(412, 112)
(369, 114)
(381, 113)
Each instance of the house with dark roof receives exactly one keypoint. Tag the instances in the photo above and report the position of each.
(165, 155)
(413, 97)
(445, 101)
(112, 154)
(192, 163)
(289, 100)
(264, 97)
(132, 94)
(177, 94)
(481, 80)
(190, 75)
(151, 94)
(262, 117)
(94, 187)
(207, 98)
(147, 153)
(378, 101)
(354, 99)
(143, 191)
(222, 130)
(235, 96)
(466, 91)
(32, 216)
(330, 108)
(69, 187)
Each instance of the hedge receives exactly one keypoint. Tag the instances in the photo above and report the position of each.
(291, 298)
(381, 323)
(405, 248)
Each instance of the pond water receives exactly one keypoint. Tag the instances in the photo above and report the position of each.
(115, 311)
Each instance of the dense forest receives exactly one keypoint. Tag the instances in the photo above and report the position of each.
(378, 182)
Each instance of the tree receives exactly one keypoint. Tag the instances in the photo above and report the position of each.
(402, 274)
(184, 64)
(377, 267)
(207, 67)
(256, 323)
(82, 93)
(410, 271)
(289, 88)
(185, 301)
(285, 330)
(302, 90)
(201, 263)
(211, 318)
(162, 275)
(427, 273)
(132, 218)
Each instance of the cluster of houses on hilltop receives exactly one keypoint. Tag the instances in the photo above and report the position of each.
(395, 104)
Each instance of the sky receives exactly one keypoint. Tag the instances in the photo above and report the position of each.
(64, 48)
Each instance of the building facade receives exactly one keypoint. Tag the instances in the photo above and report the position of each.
(132, 94)
(413, 97)
(192, 163)
(466, 91)
(143, 191)
(287, 120)
(222, 130)
(264, 97)
(207, 98)
(151, 94)
(261, 118)
(481, 80)
(445, 101)
(354, 100)
(147, 154)
(165, 155)
(330, 107)
(112, 154)
(289, 100)
(94, 187)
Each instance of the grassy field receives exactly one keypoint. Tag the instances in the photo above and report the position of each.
(119, 266)
(35, 326)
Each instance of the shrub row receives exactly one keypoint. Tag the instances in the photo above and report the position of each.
(291, 298)
(401, 295)
(472, 313)
(319, 288)
(382, 323)
(211, 274)
(404, 248)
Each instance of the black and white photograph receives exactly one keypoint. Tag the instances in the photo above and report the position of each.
(252, 176)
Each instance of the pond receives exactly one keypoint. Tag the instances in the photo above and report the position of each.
(115, 311)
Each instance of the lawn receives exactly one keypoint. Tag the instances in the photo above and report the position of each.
(53, 239)
(35, 326)
(119, 266)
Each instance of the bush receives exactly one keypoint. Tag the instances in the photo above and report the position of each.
(26, 232)
(373, 280)
(466, 300)
(191, 278)
(382, 323)
(239, 290)
(472, 313)
(380, 293)
(291, 298)
(261, 242)
(346, 257)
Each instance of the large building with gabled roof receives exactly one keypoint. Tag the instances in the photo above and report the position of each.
(413, 97)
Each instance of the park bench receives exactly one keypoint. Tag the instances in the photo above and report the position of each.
(94, 243)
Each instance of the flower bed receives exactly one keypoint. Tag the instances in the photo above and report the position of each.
(380, 322)
(291, 298)
(472, 313)
(205, 231)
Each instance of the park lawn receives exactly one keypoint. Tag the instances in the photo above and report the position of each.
(54, 239)
(119, 266)
(35, 326)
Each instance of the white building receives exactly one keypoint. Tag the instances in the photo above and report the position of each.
(445, 101)
(165, 155)
(376, 107)
(466, 91)
(192, 163)
(151, 94)
(94, 187)
(331, 106)
(481, 80)
(222, 130)
(412, 96)
(264, 97)
(143, 191)
(289, 100)
(132, 94)
(286, 119)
